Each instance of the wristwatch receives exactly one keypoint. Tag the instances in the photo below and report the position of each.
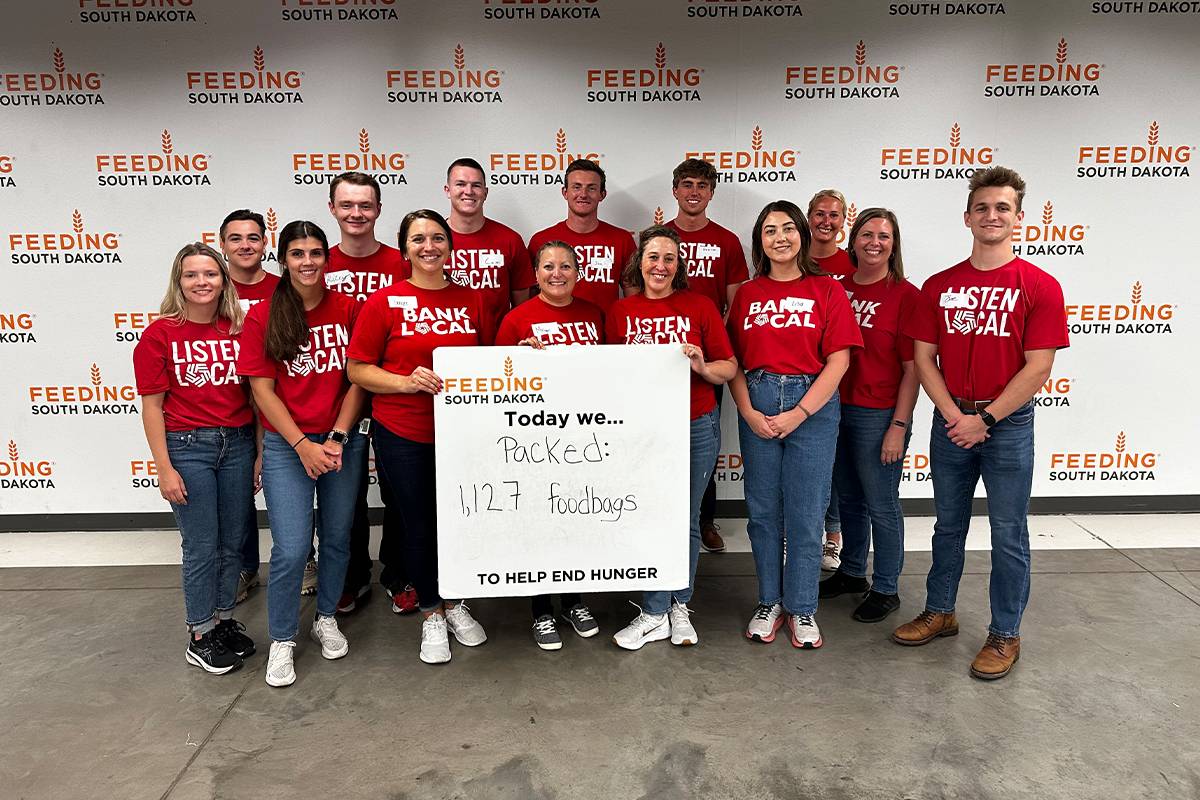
(340, 437)
(987, 418)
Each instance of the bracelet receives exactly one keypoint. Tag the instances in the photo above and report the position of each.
(904, 425)
(805, 410)
(298, 441)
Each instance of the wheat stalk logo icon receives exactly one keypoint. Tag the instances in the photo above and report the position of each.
(364, 141)
(77, 221)
(95, 375)
(660, 56)
(1062, 51)
(12, 450)
(272, 221)
(851, 214)
(1137, 292)
(259, 61)
(1121, 442)
(955, 135)
(166, 142)
(860, 53)
(60, 64)
(508, 368)
(756, 139)
(658, 216)
(460, 57)
(1152, 139)
(1047, 213)
(561, 141)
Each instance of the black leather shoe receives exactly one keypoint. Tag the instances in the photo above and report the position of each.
(841, 583)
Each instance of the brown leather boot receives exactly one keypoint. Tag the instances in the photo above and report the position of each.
(996, 658)
(925, 628)
(710, 540)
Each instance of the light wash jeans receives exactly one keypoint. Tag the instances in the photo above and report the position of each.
(787, 482)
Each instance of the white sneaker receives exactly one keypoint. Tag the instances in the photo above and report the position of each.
(325, 632)
(764, 623)
(308, 585)
(831, 556)
(682, 631)
(280, 671)
(644, 628)
(464, 627)
(435, 644)
(805, 632)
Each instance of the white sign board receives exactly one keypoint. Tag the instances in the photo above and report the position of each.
(564, 469)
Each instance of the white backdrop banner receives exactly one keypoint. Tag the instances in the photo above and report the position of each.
(129, 128)
(561, 470)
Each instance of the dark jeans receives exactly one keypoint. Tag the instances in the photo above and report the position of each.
(394, 576)
(708, 503)
(542, 606)
(409, 469)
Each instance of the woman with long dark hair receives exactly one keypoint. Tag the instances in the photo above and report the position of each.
(878, 393)
(200, 428)
(792, 330)
(294, 352)
(663, 312)
(392, 355)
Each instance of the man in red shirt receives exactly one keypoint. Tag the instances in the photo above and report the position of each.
(359, 266)
(487, 256)
(603, 250)
(986, 332)
(716, 268)
(244, 242)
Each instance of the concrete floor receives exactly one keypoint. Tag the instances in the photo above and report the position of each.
(97, 701)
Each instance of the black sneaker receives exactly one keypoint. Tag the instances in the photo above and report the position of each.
(841, 583)
(876, 606)
(210, 655)
(229, 632)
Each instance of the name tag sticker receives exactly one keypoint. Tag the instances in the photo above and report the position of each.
(334, 279)
(954, 300)
(493, 260)
(849, 295)
(541, 329)
(402, 301)
(708, 251)
(601, 262)
(244, 303)
(801, 304)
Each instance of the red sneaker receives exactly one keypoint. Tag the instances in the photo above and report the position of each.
(405, 602)
(352, 597)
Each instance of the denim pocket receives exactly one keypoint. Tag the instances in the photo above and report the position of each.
(754, 377)
(1022, 416)
(177, 442)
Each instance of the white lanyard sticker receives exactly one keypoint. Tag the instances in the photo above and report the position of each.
(801, 304)
(402, 301)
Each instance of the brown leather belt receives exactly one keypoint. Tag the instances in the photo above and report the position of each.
(973, 405)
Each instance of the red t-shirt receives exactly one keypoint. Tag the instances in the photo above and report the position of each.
(398, 331)
(250, 294)
(602, 255)
(791, 327)
(313, 384)
(883, 310)
(580, 322)
(837, 265)
(984, 322)
(362, 277)
(195, 364)
(677, 318)
(492, 260)
(715, 261)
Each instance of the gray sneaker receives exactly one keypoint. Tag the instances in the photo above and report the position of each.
(545, 634)
(581, 620)
(246, 582)
(309, 585)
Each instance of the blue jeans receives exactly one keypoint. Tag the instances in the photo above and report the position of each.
(289, 492)
(786, 482)
(833, 516)
(217, 468)
(251, 560)
(869, 496)
(705, 444)
(1005, 461)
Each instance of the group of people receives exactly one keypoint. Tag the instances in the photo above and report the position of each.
(283, 384)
